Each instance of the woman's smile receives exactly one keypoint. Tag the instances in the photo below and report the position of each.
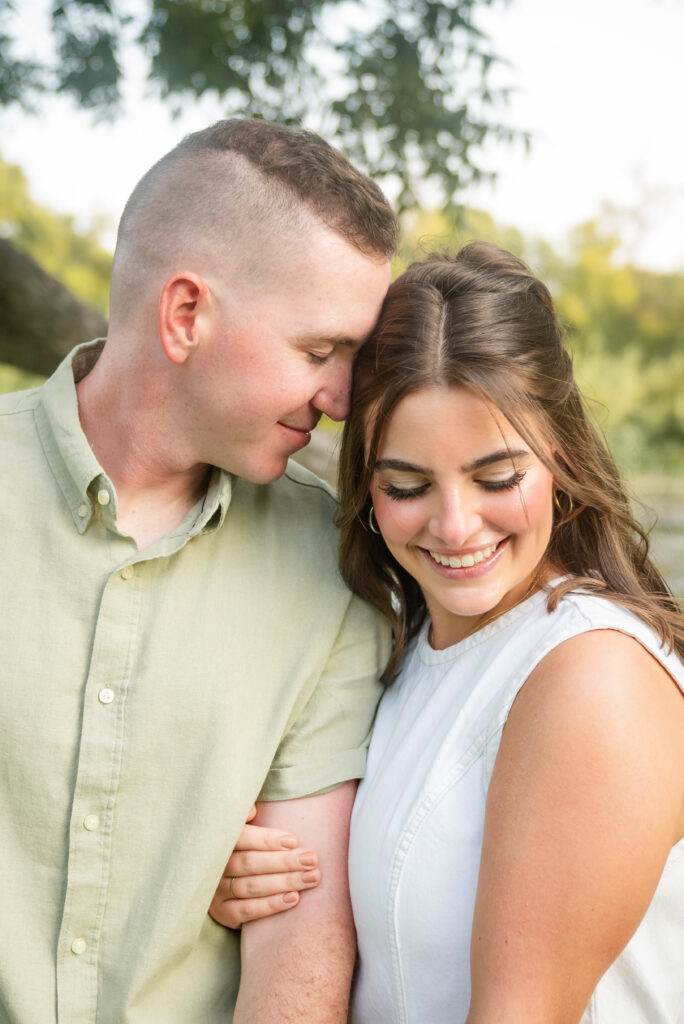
(463, 505)
(468, 563)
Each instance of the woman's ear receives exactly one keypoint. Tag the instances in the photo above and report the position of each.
(179, 312)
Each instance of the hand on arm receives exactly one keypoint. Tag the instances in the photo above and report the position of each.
(264, 875)
(584, 805)
(298, 967)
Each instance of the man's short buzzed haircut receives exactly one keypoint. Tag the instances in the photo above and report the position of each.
(346, 200)
(243, 192)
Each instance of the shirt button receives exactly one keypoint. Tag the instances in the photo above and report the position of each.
(127, 572)
(105, 696)
(79, 946)
(103, 496)
(83, 511)
(91, 822)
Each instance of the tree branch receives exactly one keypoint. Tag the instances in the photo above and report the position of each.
(40, 320)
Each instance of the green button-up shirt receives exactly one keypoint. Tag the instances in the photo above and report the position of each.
(147, 698)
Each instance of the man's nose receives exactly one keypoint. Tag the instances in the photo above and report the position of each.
(333, 398)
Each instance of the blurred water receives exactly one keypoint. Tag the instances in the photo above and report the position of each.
(665, 497)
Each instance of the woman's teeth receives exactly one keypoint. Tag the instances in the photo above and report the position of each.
(474, 558)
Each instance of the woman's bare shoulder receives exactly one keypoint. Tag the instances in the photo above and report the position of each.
(585, 802)
(599, 669)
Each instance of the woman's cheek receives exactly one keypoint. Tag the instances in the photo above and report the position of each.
(534, 507)
(396, 519)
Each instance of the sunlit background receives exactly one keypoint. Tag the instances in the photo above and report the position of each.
(595, 202)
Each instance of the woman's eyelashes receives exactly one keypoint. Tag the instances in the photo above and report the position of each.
(503, 485)
(416, 491)
(400, 493)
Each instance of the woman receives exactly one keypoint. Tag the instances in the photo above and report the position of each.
(516, 850)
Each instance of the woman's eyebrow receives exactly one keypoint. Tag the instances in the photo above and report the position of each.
(401, 466)
(505, 455)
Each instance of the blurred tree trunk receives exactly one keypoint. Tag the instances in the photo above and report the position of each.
(40, 320)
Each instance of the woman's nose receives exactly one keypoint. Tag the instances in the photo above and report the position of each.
(456, 520)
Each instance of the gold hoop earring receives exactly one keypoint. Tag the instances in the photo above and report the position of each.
(565, 514)
(372, 520)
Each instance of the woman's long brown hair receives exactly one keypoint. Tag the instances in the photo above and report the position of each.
(480, 319)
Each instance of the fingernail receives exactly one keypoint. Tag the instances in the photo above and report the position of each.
(307, 860)
(290, 897)
(288, 842)
(310, 876)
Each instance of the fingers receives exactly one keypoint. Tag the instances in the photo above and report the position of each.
(259, 886)
(264, 876)
(269, 862)
(234, 913)
(254, 837)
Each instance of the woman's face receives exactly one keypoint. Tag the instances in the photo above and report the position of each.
(463, 505)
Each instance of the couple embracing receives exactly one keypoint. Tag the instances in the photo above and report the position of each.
(178, 642)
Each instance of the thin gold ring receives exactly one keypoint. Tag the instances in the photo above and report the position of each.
(231, 894)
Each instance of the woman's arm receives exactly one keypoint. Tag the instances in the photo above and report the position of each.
(585, 802)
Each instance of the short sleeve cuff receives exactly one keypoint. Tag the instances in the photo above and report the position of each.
(290, 782)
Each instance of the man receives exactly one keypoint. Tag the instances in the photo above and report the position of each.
(175, 638)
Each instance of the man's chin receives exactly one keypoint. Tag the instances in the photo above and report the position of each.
(266, 473)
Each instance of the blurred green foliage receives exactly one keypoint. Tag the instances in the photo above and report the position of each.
(404, 86)
(76, 258)
(13, 378)
(624, 325)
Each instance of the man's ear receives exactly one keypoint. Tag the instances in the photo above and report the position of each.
(179, 307)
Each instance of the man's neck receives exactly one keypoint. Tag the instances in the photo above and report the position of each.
(155, 490)
(148, 515)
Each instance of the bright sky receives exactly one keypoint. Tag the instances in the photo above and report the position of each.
(599, 83)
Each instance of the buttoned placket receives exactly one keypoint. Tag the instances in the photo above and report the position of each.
(110, 675)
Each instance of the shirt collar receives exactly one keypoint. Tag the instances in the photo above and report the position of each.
(77, 471)
(216, 502)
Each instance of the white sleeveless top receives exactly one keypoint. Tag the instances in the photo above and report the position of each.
(418, 822)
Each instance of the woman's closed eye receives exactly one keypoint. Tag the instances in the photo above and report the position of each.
(403, 492)
(503, 485)
(409, 489)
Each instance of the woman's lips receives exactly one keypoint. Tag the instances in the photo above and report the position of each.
(464, 566)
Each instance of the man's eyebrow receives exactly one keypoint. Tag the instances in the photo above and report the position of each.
(505, 455)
